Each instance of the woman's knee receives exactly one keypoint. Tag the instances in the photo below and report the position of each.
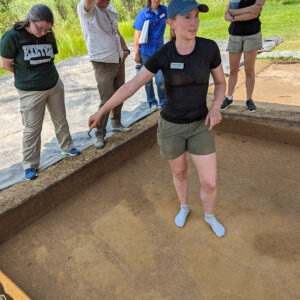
(209, 185)
(234, 71)
(180, 173)
(250, 72)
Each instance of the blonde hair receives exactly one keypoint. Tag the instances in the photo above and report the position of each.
(172, 35)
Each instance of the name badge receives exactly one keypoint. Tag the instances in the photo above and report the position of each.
(178, 66)
(162, 15)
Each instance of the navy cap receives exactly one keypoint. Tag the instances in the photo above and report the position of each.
(184, 7)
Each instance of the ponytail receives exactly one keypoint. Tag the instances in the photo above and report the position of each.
(172, 35)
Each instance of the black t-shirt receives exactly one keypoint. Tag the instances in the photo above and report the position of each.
(186, 79)
(243, 28)
(33, 59)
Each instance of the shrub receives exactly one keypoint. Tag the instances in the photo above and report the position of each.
(7, 16)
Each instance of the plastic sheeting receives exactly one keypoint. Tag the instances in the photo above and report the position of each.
(281, 54)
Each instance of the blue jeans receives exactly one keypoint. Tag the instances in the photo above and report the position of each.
(160, 84)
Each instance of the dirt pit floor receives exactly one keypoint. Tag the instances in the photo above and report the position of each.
(117, 238)
(275, 82)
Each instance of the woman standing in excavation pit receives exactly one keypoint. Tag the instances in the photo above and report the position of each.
(185, 125)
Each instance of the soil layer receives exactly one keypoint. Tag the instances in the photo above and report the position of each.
(116, 239)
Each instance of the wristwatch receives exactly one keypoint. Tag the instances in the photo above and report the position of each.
(126, 50)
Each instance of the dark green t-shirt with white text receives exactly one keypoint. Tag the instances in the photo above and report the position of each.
(33, 59)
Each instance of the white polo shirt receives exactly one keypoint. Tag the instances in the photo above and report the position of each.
(100, 31)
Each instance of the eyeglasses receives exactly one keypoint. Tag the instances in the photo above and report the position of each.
(41, 30)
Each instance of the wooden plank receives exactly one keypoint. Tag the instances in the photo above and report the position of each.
(9, 290)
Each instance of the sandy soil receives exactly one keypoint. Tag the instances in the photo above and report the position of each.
(117, 238)
(276, 83)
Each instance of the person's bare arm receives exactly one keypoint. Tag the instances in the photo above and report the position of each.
(7, 64)
(88, 4)
(227, 7)
(214, 116)
(123, 46)
(245, 17)
(137, 34)
(122, 94)
(228, 17)
(254, 9)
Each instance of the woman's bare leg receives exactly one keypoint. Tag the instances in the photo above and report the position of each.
(234, 62)
(179, 171)
(206, 166)
(249, 64)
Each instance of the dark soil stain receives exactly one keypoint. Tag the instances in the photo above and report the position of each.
(282, 246)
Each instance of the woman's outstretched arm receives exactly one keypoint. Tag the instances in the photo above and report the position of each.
(122, 94)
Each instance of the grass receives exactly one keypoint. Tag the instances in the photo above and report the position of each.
(279, 18)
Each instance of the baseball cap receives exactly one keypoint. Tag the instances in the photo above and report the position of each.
(184, 7)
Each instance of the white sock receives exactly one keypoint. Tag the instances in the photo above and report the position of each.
(181, 217)
(229, 97)
(217, 227)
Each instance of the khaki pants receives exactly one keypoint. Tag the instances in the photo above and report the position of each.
(32, 108)
(109, 77)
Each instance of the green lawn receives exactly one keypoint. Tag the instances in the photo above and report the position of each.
(279, 18)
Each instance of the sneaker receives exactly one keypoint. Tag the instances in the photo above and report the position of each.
(215, 225)
(250, 105)
(99, 142)
(226, 103)
(72, 152)
(121, 129)
(153, 108)
(31, 173)
(181, 217)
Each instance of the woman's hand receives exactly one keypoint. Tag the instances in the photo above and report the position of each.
(125, 54)
(137, 58)
(94, 120)
(228, 17)
(214, 117)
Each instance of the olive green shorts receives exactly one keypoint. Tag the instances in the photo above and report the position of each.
(246, 43)
(174, 139)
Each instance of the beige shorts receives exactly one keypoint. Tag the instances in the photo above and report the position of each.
(175, 139)
(246, 43)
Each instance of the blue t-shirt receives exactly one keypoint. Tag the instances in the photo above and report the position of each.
(157, 25)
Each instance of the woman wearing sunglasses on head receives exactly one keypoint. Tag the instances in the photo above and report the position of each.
(185, 124)
(27, 50)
